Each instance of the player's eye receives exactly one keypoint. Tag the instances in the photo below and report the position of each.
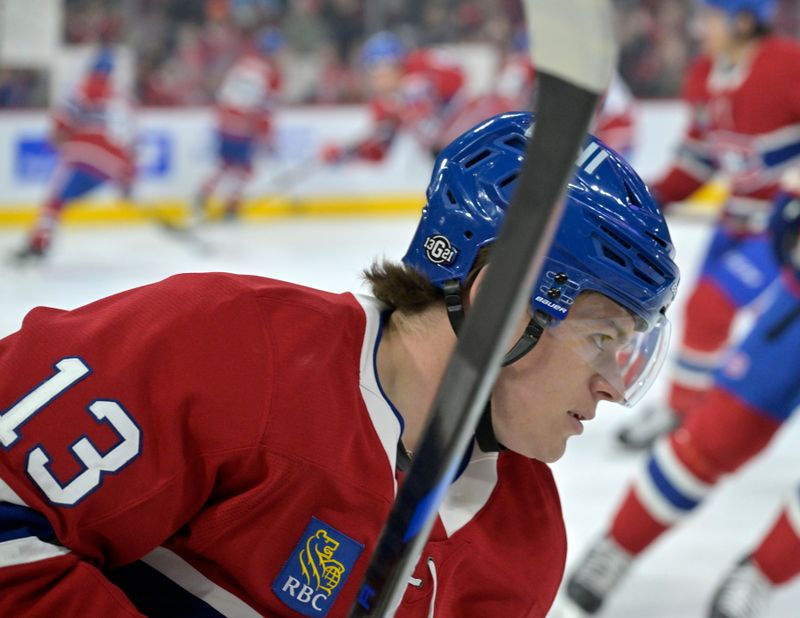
(601, 340)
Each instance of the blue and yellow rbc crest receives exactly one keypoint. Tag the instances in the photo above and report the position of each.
(316, 571)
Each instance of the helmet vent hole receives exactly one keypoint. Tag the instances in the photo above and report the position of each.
(613, 256)
(468, 234)
(450, 197)
(651, 264)
(658, 240)
(632, 198)
(507, 180)
(609, 232)
(477, 158)
(517, 143)
(645, 278)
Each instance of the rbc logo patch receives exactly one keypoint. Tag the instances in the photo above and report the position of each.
(316, 571)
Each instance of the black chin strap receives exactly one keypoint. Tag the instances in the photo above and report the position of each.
(484, 433)
(525, 343)
(453, 303)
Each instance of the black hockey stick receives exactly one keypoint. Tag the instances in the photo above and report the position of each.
(785, 322)
(574, 56)
(171, 229)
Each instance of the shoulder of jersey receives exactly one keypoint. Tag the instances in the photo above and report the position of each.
(694, 83)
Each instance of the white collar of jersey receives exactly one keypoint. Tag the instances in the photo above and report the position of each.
(471, 490)
(384, 419)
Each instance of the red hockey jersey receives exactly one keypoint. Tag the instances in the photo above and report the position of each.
(425, 98)
(247, 98)
(746, 124)
(94, 127)
(220, 445)
(513, 90)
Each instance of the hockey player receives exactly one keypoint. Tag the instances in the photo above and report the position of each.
(513, 89)
(751, 398)
(614, 123)
(93, 132)
(246, 102)
(745, 125)
(413, 92)
(616, 118)
(220, 444)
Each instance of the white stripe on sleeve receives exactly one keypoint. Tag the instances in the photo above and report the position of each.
(26, 550)
(190, 579)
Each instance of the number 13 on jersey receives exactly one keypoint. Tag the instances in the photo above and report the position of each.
(70, 371)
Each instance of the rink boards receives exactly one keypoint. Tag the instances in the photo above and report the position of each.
(176, 152)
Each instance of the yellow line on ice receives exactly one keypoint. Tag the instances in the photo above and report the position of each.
(122, 212)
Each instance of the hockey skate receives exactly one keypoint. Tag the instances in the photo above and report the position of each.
(596, 576)
(744, 593)
(198, 210)
(34, 250)
(649, 425)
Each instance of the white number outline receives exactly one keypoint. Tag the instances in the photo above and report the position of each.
(70, 371)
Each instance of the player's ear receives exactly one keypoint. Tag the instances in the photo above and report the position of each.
(475, 286)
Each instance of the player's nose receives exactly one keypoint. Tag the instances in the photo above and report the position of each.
(605, 389)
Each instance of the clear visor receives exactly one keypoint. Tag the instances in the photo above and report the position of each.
(627, 360)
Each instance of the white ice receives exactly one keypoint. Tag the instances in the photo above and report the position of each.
(674, 579)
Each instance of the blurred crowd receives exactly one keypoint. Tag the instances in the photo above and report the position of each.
(183, 47)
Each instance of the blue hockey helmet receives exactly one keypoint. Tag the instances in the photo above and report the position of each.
(103, 62)
(612, 238)
(270, 40)
(763, 10)
(382, 47)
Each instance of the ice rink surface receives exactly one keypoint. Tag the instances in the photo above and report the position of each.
(673, 580)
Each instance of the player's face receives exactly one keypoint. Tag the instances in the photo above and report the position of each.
(715, 31)
(384, 78)
(544, 398)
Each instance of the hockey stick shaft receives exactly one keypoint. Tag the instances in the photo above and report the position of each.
(289, 178)
(566, 102)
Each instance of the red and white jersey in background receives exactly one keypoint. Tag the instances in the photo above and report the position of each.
(429, 91)
(515, 80)
(247, 98)
(94, 127)
(513, 90)
(228, 438)
(615, 120)
(745, 124)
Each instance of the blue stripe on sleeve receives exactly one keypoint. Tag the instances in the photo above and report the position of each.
(781, 155)
(157, 596)
(19, 522)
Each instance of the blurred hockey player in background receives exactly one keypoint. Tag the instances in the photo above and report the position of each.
(416, 92)
(246, 102)
(616, 114)
(513, 89)
(745, 125)
(221, 443)
(616, 119)
(93, 132)
(754, 392)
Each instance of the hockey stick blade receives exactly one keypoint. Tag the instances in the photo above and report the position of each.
(185, 234)
(566, 100)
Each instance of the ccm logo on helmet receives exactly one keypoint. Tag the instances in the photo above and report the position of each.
(439, 250)
(551, 304)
